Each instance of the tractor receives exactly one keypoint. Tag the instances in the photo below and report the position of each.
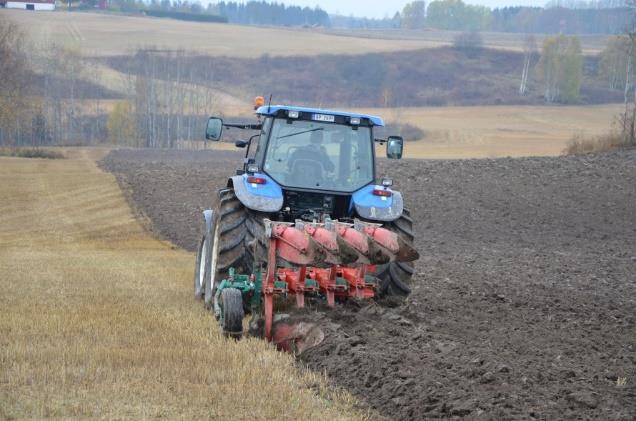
(305, 216)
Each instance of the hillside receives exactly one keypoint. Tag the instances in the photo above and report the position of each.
(426, 77)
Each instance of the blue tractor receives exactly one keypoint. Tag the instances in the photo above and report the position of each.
(302, 165)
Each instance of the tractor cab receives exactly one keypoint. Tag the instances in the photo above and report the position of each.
(320, 162)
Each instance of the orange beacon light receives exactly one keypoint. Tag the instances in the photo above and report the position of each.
(259, 101)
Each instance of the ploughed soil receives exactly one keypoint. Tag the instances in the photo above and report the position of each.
(524, 300)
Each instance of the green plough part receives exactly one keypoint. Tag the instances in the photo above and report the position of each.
(243, 284)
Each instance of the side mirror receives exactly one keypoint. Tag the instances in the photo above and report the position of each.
(214, 128)
(394, 147)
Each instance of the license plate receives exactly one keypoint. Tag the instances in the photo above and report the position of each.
(324, 117)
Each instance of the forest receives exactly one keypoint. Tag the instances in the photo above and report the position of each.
(603, 17)
(567, 17)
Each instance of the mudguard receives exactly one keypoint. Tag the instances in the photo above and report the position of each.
(377, 208)
(266, 197)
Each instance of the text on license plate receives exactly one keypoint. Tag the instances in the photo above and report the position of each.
(324, 117)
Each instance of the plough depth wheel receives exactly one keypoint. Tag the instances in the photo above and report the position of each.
(232, 312)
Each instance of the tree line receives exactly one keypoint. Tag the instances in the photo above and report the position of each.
(264, 13)
(559, 16)
(251, 13)
(50, 95)
(587, 4)
(558, 66)
(567, 17)
(160, 111)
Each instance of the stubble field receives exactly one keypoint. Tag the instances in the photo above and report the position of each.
(97, 34)
(98, 319)
(488, 131)
(100, 34)
(499, 131)
(466, 132)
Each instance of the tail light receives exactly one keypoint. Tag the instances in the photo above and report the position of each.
(382, 193)
(256, 180)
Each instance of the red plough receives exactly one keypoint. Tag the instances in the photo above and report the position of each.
(333, 259)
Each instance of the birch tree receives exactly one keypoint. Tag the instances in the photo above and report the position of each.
(529, 53)
(628, 118)
(561, 68)
(13, 79)
(121, 125)
(414, 15)
(615, 64)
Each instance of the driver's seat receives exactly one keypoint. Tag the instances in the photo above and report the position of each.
(306, 173)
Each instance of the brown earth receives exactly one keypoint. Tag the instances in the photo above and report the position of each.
(523, 305)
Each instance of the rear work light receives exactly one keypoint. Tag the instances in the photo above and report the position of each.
(256, 180)
(293, 114)
(382, 193)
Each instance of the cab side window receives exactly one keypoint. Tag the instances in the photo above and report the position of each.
(259, 151)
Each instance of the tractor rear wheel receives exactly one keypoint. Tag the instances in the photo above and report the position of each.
(232, 314)
(237, 240)
(395, 277)
(226, 248)
(255, 241)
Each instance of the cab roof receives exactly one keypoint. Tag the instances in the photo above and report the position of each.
(272, 110)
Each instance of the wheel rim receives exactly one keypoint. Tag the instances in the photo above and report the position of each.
(215, 252)
(202, 261)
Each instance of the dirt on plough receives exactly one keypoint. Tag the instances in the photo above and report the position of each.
(524, 299)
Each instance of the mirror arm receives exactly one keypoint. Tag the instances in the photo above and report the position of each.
(258, 126)
(381, 141)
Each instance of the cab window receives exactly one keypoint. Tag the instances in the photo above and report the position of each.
(319, 155)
